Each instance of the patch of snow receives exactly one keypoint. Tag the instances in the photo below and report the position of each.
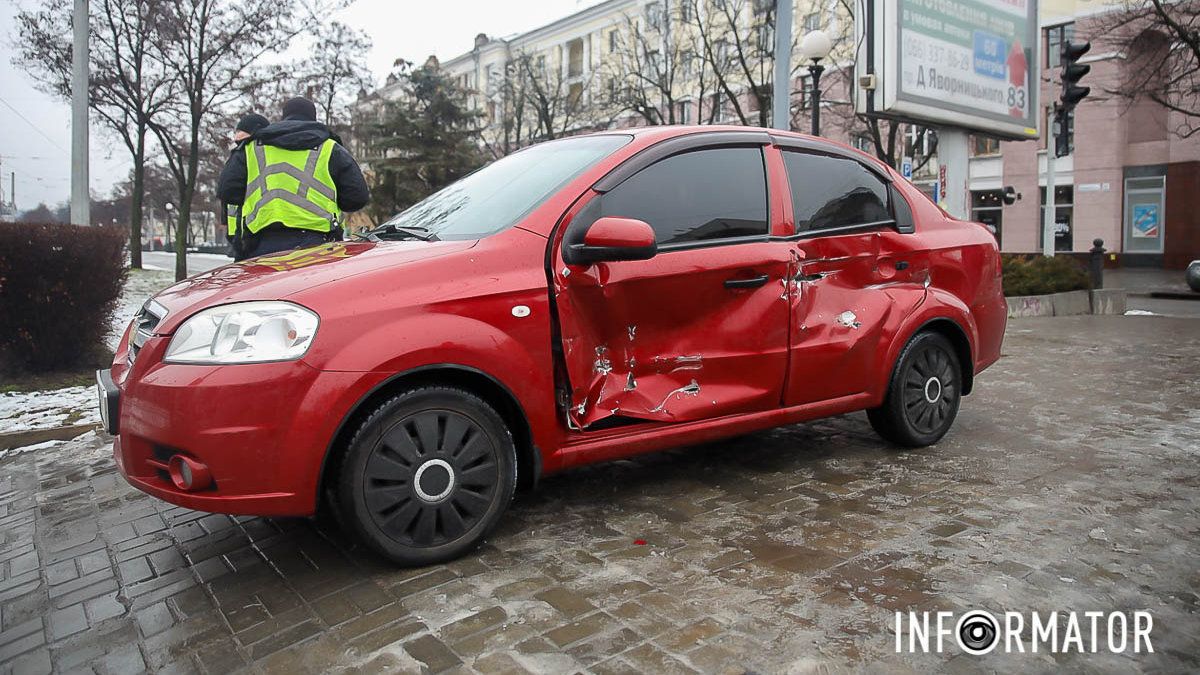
(139, 287)
(22, 411)
(1139, 312)
(44, 445)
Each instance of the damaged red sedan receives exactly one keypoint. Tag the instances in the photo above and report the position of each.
(578, 301)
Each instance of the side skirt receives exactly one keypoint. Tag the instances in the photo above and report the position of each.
(588, 448)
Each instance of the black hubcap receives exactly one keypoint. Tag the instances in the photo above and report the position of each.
(430, 478)
(930, 390)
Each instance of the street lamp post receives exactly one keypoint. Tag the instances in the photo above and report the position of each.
(814, 47)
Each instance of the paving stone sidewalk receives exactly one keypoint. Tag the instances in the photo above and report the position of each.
(1070, 482)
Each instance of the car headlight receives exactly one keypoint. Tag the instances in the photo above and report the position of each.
(244, 332)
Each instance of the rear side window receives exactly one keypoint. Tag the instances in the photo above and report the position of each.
(697, 196)
(834, 192)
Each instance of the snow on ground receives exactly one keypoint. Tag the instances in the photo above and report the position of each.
(22, 411)
(141, 285)
(1139, 312)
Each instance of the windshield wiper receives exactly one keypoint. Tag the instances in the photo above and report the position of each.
(408, 232)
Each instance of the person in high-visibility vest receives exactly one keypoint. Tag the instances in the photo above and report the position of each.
(246, 128)
(295, 181)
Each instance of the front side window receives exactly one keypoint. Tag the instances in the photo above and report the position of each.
(834, 192)
(497, 196)
(719, 193)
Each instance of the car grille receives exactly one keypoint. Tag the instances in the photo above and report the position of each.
(144, 323)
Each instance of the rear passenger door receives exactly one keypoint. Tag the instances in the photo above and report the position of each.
(698, 331)
(840, 312)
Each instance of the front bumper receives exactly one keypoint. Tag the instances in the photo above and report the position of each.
(262, 430)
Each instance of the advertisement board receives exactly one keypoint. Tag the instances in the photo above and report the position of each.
(972, 64)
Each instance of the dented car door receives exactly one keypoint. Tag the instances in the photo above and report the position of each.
(700, 329)
(841, 309)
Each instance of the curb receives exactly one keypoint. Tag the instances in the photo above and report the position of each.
(1111, 301)
(20, 439)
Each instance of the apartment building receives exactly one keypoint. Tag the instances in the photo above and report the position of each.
(1130, 180)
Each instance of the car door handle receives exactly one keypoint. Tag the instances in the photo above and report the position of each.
(815, 276)
(902, 265)
(752, 282)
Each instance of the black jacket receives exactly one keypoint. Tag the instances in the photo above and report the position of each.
(352, 191)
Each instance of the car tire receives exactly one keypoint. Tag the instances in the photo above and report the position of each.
(923, 394)
(427, 476)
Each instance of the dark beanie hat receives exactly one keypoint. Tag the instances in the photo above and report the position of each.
(299, 108)
(252, 123)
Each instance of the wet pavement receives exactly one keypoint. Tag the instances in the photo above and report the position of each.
(1070, 482)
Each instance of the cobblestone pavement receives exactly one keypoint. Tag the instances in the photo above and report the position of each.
(1070, 482)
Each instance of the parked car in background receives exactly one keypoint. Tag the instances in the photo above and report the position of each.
(578, 301)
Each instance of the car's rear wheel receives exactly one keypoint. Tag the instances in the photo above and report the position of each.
(923, 394)
(427, 476)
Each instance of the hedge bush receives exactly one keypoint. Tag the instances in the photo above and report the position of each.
(1040, 275)
(59, 285)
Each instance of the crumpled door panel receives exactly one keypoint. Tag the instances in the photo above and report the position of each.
(665, 340)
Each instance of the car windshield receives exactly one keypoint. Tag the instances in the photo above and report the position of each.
(502, 193)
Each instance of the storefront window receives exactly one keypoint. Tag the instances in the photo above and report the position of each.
(987, 208)
(982, 146)
(1064, 202)
(1144, 213)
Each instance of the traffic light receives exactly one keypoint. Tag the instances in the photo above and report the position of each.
(1061, 130)
(1073, 72)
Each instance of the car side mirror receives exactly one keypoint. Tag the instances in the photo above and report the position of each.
(612, 239)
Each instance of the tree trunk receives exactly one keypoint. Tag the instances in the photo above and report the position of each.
(135, 202)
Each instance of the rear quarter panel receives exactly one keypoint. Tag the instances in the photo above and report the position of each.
(964, 281)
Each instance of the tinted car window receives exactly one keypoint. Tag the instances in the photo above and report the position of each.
(697, 196)
(505, 191)
(830, 192)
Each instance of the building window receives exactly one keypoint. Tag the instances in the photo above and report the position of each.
(861, 142)
(654, 15)
(984, 146)
(918, 142)
(1055, 37)
(612, 40)
(987, 207)
(575, 58)
(685, 10)
(717, 107)
(1064, 197)
(812, 22)
(683, 112)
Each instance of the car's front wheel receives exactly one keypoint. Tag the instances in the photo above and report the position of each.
(427, 475)
(923, 395)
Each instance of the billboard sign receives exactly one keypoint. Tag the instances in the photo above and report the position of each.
(971, 64)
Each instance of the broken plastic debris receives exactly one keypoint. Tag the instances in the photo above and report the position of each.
(639, 542)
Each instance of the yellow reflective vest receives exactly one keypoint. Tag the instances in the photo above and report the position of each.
(290, 187)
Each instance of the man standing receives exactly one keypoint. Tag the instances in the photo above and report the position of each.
(243, 132)
(294, 180)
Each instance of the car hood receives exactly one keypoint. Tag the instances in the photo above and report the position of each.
(278, 276)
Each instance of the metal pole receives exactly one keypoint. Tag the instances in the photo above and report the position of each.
(781, 96)
(80, 197)
(814, 72)
(953, 160)
(1049, 208)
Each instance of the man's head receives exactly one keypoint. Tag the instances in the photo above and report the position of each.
(300, 108)
(248, 126)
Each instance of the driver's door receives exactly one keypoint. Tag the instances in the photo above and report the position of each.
(701, 329)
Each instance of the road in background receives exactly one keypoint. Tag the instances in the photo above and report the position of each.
(196, 262)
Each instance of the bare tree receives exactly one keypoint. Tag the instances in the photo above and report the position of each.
(214, 47)
(653, 68)
(1160, 42)
(736, 40)
(128, 89)
(336, 72)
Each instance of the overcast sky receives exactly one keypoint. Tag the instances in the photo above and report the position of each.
(35, 132)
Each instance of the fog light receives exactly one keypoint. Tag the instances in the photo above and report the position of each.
(188, 474)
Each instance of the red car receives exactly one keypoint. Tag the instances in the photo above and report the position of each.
(578, 301)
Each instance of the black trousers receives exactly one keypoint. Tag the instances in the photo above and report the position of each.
(277, 241)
